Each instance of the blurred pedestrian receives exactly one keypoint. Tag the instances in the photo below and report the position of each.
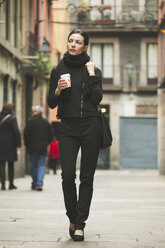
(37, 136)
(53, 155)
(77, 98)
(9, 141)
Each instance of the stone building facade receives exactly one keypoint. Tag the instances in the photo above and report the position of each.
(123, 43)
(23, 27)
(161, 88)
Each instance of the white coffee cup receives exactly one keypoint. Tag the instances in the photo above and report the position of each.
(66, 77)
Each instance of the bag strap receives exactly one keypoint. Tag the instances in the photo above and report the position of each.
(4, 119)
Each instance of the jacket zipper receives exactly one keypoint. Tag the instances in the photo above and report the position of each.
(82, 98)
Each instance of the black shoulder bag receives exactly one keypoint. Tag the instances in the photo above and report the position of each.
(106, 140)
(106, 135)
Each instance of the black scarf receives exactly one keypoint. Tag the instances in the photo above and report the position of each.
(76, 61)
(79, 61)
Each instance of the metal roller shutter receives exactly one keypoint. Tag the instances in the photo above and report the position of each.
(138, 142)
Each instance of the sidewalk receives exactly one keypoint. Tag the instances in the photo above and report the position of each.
(127, 211)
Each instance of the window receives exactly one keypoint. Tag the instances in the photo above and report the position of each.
(152, 65)
(152, 9)
(107, 14)
(14, 86)
(7, 22)
(148, 60)
(102, 56)
(16, 24)
(49, 18)
(37, 18)
(5, 88)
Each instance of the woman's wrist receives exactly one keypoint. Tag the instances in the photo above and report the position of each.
(90, 68)
(57, 92)
(92, 74)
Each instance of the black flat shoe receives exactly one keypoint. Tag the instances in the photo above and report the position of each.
(12, 187)
(79, 238)
(71, 232)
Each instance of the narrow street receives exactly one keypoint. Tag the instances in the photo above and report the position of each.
(127, 211)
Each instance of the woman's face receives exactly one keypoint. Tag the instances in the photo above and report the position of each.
(76, 45)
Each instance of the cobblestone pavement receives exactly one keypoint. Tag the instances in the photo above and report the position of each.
(127, 211)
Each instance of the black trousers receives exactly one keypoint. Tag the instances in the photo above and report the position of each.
(10, 172)
(75, 133)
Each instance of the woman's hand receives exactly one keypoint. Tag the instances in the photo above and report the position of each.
(62, 84)
(90, 68)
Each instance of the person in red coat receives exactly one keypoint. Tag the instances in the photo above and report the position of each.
(53, 155)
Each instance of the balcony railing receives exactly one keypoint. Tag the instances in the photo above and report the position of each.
(108, 15)
(130, 76)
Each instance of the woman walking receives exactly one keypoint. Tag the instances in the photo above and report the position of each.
(9, 141)
(80, 126)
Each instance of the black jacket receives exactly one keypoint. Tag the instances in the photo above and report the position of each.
(74, 102)
(9, 139)
(37, 135)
